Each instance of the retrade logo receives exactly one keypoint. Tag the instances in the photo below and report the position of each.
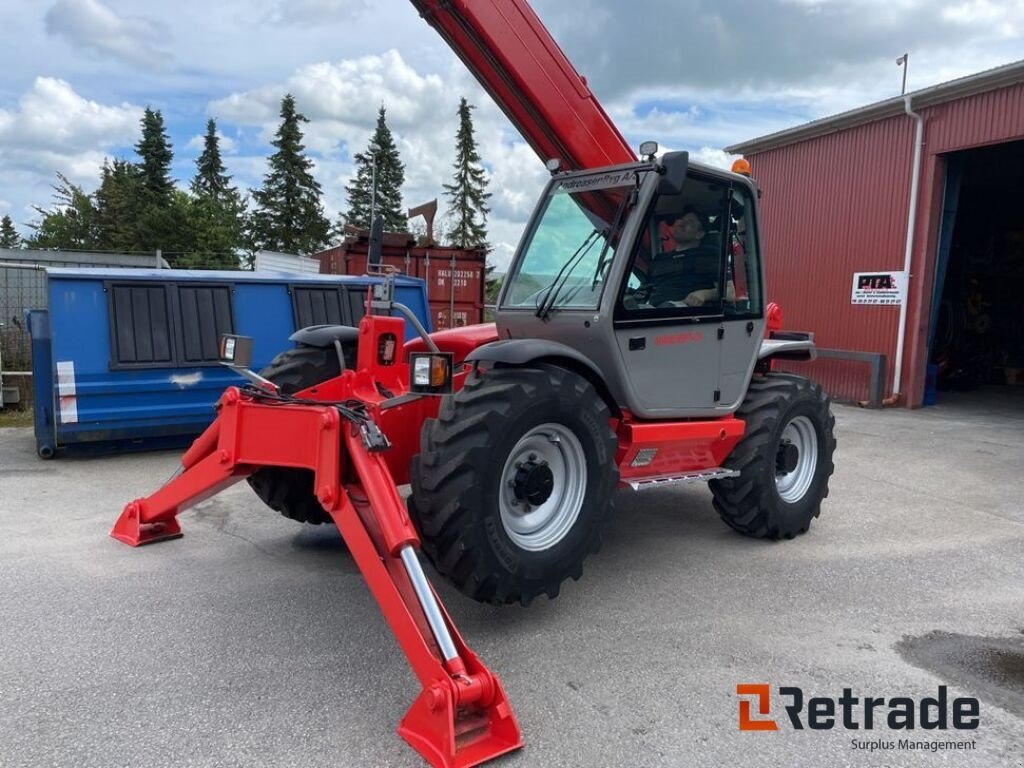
(849, 712)
(762, 695)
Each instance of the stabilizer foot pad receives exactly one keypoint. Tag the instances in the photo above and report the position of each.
(450, 737)
(129, 530)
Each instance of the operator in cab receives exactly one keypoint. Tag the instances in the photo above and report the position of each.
(685, 272)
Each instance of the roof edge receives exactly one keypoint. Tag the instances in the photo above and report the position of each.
(981, 82)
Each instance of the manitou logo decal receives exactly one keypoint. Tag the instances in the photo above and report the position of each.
(849, 712)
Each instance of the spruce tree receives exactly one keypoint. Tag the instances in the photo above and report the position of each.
(211, 179)
(217, 209)
(155, 155)
(467, 194)
(9, 237)
(390, 178)
(289, 215)
(119, 203)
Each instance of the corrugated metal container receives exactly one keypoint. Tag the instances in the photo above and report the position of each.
(128, 358)
(455, 277)
(837, 203)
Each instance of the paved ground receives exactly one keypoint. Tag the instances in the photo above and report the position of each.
(253, 641)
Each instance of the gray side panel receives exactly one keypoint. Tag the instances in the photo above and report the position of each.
(739, 344)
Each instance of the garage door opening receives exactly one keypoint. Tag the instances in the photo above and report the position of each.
(977, 324)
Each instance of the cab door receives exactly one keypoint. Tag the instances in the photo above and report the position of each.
(669, 312)
(742, 325)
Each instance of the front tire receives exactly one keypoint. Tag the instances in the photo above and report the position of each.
(514, 481)
(784, 459)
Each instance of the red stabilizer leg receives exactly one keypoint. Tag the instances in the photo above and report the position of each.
(450, 736)
(130, 529)
(462, 717)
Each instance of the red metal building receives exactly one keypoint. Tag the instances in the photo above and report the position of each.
(837, 200)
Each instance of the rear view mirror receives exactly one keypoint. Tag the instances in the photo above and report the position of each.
(375, 256)
(673, 172)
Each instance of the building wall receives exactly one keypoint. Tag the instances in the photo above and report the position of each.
(838, 204)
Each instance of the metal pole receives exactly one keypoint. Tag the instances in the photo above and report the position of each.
(908, 252)
(374, 149)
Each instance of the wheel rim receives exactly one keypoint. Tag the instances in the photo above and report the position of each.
(796, 459)
(542, 488)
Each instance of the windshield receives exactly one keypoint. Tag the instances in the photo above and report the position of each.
(567, 257)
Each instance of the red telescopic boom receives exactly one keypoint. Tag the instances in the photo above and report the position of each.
(516, 60)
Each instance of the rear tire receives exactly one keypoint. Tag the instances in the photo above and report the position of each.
(285, 490)
(784, 459)
(514, 481)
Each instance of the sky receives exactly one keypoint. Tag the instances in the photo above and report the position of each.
(75, 76)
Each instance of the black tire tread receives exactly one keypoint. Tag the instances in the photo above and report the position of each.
(285, 490)
(749, 503)
(453, 449)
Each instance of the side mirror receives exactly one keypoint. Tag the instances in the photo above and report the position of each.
(673, 172)
(375, 256)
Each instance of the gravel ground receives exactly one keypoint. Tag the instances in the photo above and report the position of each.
(253, 640)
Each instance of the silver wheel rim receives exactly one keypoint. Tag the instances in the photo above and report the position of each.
(800, 433)
(540, 527)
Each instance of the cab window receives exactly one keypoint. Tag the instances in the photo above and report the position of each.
(677, 266)
(742, 266)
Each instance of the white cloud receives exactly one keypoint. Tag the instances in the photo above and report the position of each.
(197, 142)
(315, 12)
(341, 100)
(51, 116)
(54, 129)
(91, 25)
(713, 157)
(1004, 18)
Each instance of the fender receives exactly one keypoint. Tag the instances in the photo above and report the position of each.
(787, 349)
(325, 335)
(522, 351)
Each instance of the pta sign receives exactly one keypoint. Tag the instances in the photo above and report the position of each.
(879, 288)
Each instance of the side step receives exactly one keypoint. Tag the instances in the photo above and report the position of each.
(697, 476)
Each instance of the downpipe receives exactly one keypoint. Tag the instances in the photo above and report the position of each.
(908, 251)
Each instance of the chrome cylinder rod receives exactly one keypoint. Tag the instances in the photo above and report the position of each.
(429, 603)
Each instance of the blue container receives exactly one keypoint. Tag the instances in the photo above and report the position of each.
(127, 358)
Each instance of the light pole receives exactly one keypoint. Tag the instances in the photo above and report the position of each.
(903, 61)
(374, 149)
